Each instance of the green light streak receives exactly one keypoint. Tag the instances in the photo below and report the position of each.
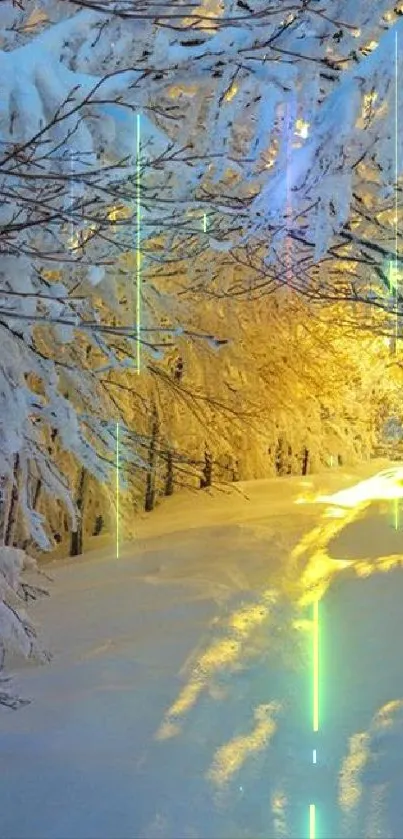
(315, 719)
(396, 184)
(138, 249)
(396, 513)
(396, 284)
(315, 708)
(312, 821)
(392, 276)
(117, 491)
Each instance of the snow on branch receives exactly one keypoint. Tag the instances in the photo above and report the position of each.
(312, 191)
(17, 632)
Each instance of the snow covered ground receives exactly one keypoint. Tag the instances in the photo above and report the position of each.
(179, 702)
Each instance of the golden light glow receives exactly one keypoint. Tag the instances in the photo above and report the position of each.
(119, 213)
(360, 754)
(313, 566)
(350, 788)
(302, 128)
(219, 654)
(384, 717)
(271, 154)
(342, 508)
(222, 653)
(36, 18)
(81, 237)
(175, 91)
(230, 757)
(52, 275)
(370, 46)
(309, 574)
(383, 486)
(279, 804)
(128, 260)
(368, 103)
(207, 9)
(231, 92)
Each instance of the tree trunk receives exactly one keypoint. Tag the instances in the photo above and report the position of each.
(305, 461)
(76, 541)
(38, 488)
(152, 462)
(4, 502)
(34, 503)
(12, 512)
(281, 467)
(98, 526)
(169, 479)
(207, 472)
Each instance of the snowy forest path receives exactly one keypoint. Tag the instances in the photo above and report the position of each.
(179, 701)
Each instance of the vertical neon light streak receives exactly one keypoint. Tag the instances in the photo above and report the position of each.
(396, 503)
(315, 705)
(396, 184)
(315, 716)
(138, 249)
(396, 512)
(288, 259)
(312, 820)
(117, 491)
(205, 223)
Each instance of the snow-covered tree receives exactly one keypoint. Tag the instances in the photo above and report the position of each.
(225, 145)
(269, 190)
(64, 152)
(17, 631)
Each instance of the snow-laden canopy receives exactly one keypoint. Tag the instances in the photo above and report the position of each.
(254, 119)
(207, 140)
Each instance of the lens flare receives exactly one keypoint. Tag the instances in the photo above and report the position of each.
(312, 821)
(138, 248)
(315, 719)
(117, 491)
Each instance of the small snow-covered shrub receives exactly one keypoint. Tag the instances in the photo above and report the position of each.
(17, 631)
